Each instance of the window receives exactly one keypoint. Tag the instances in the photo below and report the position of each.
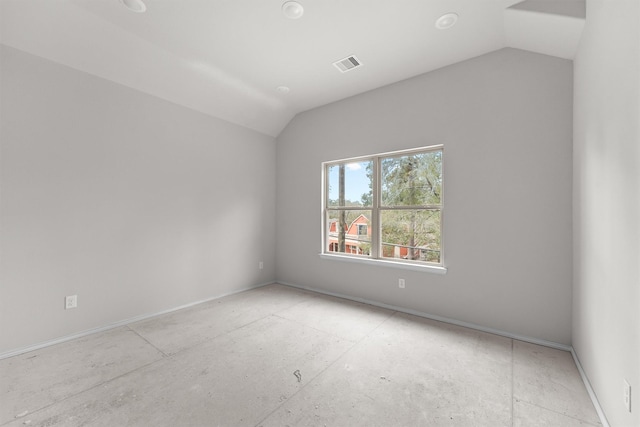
(386, 206)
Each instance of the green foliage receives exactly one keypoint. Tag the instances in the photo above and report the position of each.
(347, 203)
(415, 234)
(367, 198)
(410, 203)
(412, 180)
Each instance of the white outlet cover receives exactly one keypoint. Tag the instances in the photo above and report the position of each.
(627, 395)
(71, 301)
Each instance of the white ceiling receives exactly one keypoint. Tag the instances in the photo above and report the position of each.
(226, 58)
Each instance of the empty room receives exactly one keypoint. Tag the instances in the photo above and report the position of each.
(320, 213)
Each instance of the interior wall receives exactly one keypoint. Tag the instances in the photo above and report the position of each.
(133, 203)
(606, 294)
(505, 120)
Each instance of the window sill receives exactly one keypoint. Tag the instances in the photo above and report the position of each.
(435, 269)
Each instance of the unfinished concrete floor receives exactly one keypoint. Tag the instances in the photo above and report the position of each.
(278, 356)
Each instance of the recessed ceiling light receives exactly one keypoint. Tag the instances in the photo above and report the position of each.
(137, 6)
(292, 9)
(283, 89)
(447, 20)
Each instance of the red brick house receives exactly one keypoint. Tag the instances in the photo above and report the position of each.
(357, 236)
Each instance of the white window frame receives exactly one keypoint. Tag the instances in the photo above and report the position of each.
(375, 257)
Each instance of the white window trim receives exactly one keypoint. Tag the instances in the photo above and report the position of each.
(406, 265)
(374, 258)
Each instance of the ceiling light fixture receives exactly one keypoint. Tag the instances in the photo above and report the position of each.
(292, 9)
(447, 20)
(137, 6)
(283, 89)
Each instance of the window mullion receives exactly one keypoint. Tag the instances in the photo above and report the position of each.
(325, 210)
(414, 231)
(412, 208)
(375, 210)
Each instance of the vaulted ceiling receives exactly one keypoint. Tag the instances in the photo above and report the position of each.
(231, 58)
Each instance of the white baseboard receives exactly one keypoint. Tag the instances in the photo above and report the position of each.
(592, 394)
(518, 337)
(118, 324)
(551, 344)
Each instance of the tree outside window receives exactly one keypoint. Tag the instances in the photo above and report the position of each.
(386, 206)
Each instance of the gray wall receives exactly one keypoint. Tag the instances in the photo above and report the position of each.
(606, 294)
(133, 203)
(505, 120)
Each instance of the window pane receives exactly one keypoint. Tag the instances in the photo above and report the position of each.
(356, 235)
(412, 180)
(411, 234)
(356, 188)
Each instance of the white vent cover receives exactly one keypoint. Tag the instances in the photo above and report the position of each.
(347, 64)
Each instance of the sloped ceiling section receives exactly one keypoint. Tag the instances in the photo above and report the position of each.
(549, 27)
(244, 62)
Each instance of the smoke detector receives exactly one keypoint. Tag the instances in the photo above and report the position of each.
(292, 9)
(446, 21)
(137, 6)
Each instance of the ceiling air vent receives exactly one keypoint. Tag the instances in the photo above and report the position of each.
(347, 64)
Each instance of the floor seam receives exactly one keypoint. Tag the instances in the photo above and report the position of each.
(102, 383)
(227, 332)
(393, 313)
(147, 341)
(310, 297)
(556, 412)
(215, 337)
(258, 424)
(315, 329)
(322, 367)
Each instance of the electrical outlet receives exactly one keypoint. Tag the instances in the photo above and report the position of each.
(70, 301)
(261, 265)
(401, 283)
(627, 394)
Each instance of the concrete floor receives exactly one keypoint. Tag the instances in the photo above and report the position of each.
(278, 356)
